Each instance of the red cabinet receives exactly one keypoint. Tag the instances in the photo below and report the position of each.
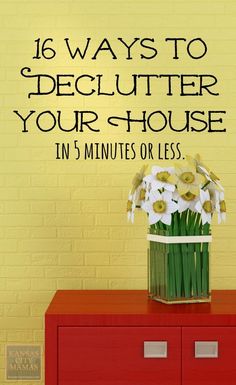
(119, 355)
(124, 338)
(208, 355)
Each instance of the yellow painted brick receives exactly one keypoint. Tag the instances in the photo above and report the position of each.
(47, 245)
(70, 232)
(21, 220)
(17, 180)
(21, 322)
(93, 207)
(3, 335)
(127, 232)
(44, 180)
(16, 284)
(99, 245)
(71, 259)
(21, 167)
(36, 297)
(42, 284)
(61, 272)
(120, 272)
(19, 336)
(96, 181)
(42, 207)
(39, 336)
(95, 284)
(44, 259)
(128, 259)
(16, 232)
(69, 220)
(44, 193)
(8, 245)
(128, 284)
(43, 232)
(102, 193)
(17, 207)
(18, 310)
(97, 259)
(13, 259)
(10, 193)
(95, 232)
(136, 244)
(68, 206)
(71, 180)
(69, 284)
(17, 272)
(38, 309)
(111, 219)
(8, 297)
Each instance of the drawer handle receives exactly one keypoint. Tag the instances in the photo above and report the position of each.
(155, 349)
(206, 349)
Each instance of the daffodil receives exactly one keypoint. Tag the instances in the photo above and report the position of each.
(220, 206)
(159, 207)
(141, 194)
(187, 180)
(159, 178)
(201, 168)
(131, 207)
(138, 178)
(205, 206)
(187, 201)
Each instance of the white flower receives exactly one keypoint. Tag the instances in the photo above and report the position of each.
(187, 201)
(159, 178)
(160, 206)
(131, 207)
(204, 207)
(220, 206)
(141, 194)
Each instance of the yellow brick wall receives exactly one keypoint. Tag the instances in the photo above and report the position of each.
(63, 223)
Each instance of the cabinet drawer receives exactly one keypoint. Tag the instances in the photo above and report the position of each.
(208, 355)
(119, 355)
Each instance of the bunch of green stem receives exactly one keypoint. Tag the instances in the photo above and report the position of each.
(181, 269)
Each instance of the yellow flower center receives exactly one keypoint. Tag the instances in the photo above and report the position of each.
(163, 176)
(142, 194)
(222, 206)
(129, 205)
(187, 177)
(188, 196)
(159, 206)
(207, 206)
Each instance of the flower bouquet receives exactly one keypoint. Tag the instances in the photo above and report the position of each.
(180, 202)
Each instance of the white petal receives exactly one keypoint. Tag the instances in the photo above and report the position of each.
(156, 169)
(157, 184)
(183, 205)
(154, 217)
(167, 196)
(154, 196)
(171, 207)
(147, 206)
(198, 207)
(204, 196)
(166, 218)
(148, 178)
(169, 187)
(206, 217)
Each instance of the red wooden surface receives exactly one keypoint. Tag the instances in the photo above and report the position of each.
(209, 371)
(128, 308)
(115, 356)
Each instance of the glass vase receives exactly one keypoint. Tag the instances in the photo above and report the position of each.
(178, 272)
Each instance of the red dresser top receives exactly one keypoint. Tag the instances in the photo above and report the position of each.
(133, 307)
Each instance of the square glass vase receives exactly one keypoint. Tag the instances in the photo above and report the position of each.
(178, 272)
